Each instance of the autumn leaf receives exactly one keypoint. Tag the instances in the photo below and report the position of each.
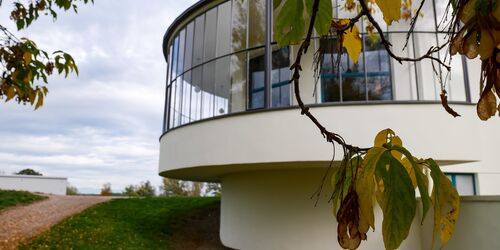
(446, 202)
(383, 137)
(290, 25)
(391, 9)
(397, 201)
(351, 40)
(487, 106)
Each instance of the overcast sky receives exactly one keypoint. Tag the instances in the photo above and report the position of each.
(102, 126)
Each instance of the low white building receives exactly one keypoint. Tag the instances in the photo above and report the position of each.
(33, 183)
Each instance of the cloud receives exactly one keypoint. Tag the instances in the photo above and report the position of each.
(102, 126)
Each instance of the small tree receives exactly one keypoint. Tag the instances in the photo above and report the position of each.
(130, 190)
(106, 189)
(172, 187)
(28, 171)
(214, 189)
(146, 190)
(71, 190)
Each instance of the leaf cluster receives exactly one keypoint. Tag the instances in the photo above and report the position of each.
(389, 175)
(25, 68)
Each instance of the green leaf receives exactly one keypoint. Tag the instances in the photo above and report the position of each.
(383, 137)
(397, 200)
(446, 203)
(276, 3)
(290, 26)
(324, 16)
(422, 181)
(365, 187)
(39, 102)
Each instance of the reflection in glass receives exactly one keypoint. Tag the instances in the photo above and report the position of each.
(178, 102)
(280, 77)
(222, 86)
(207, 90)
(173, 89)
(353, 79)
(239, 25)
(188, 55)
(196, 76)
(224, 29)
(330, 87)
(199, 31)
(186, 99)
(377, 71)
(182, 43)
(256, 86)
(175, 53)
(210, 34)
(167, 108)
(238, 71)
(257, 22)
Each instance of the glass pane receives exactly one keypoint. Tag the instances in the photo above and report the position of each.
(199, 31)
(238, 82)
(167, 107)
(175, 54)
(180, 60)
(224, 29)
(257, 22)
(196, 76)
(406, 86)
(256, 66)
(186, 98)
(207, 90)
(169, 65)
(173, 89)
(188, 56)
(377, 71)
(239, 22)
(428, 82)
(222, 86)
(281, 77)
(353, 79)
(210, 34)
(178, 102)
(330, 81)
(465, 184)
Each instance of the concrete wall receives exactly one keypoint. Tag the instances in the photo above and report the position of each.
(41, 184)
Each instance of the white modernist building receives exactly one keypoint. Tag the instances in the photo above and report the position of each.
(35, 184)
(231, 117)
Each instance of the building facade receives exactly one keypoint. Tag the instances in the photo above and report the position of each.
(231, 117)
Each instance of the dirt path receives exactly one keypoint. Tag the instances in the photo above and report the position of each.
(22, 223)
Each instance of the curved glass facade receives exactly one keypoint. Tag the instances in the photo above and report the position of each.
(218, 65)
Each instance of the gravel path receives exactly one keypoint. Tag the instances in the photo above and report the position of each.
(22, 223)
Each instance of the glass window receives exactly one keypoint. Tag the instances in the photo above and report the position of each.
(238, 71)
(353, 79)
(377, 71)
(175, 53)
(167, 108)
(224, 29)
(207, 90)
(257, 22)
(188, 56)
(330, 80)
(199, 31)
(178, 102)
(210, 34)
(186, 98)
(281, 77)
(196, 82)
(173, 112)
(464, 183)
(256, 86)
(239, 25)
(180, 60)
(222, 86)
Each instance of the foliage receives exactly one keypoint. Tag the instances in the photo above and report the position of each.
(213, 189)
(121, 224)
(387, 172)
(10, 198)
(25, 67)
(173, 187)
(71, 190)
(145, 189)
(28, 171)
(106, 189)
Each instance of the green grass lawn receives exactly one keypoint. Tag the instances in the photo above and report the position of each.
(9, 198)
(121, 224)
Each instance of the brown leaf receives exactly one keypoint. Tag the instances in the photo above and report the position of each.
(444, 102)
(487, 106)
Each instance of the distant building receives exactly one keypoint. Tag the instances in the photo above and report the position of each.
(34, 183)
(231, 117)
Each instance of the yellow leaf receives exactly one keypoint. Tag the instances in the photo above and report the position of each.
(383, 137)
(396, 141)
(39, 102)
(411, 172)
(352, 41)
(10, 93)
(27, 57)
(446, 209)
(391, 10)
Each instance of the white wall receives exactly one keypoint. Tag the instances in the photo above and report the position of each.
(41, 184)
